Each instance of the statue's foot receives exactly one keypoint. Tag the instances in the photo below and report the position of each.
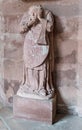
(47, 94)
(50, 94)
(42, 92)
(50, 91)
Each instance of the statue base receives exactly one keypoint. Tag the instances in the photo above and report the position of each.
(35, 109)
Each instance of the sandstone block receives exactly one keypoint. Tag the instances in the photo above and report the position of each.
(35, 109)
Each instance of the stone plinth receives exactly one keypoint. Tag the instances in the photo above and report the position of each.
(35, 109)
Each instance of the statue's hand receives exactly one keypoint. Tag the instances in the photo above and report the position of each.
(42, 20)
(23, 29)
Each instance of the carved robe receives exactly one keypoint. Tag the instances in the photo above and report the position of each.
(39, 57)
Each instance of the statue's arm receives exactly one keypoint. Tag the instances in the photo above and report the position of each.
(50, 22)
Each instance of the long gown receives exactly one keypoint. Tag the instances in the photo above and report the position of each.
(39, 58)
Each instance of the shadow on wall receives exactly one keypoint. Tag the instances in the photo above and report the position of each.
(10, 88)
(58, 29)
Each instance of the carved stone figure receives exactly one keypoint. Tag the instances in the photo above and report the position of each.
(38, 52)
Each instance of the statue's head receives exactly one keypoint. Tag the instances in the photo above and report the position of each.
(34, 13)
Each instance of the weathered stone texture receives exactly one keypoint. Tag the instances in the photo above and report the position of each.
(2, 25)
(67, 51)
(11, 23)
(79, 67)
(79, 52)
(66, 48)
(39, 110)
(66, 78)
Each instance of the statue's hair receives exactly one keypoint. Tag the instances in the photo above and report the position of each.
(35, 8)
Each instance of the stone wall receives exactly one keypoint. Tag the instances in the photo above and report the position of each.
(66, 50)
(79, 67)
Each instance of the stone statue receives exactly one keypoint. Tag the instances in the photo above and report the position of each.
(38, 52)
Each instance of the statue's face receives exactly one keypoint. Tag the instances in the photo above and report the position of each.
(40, 13)
(32, 18)
(34, 14)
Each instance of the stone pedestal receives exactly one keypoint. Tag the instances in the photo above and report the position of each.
(35, 109)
